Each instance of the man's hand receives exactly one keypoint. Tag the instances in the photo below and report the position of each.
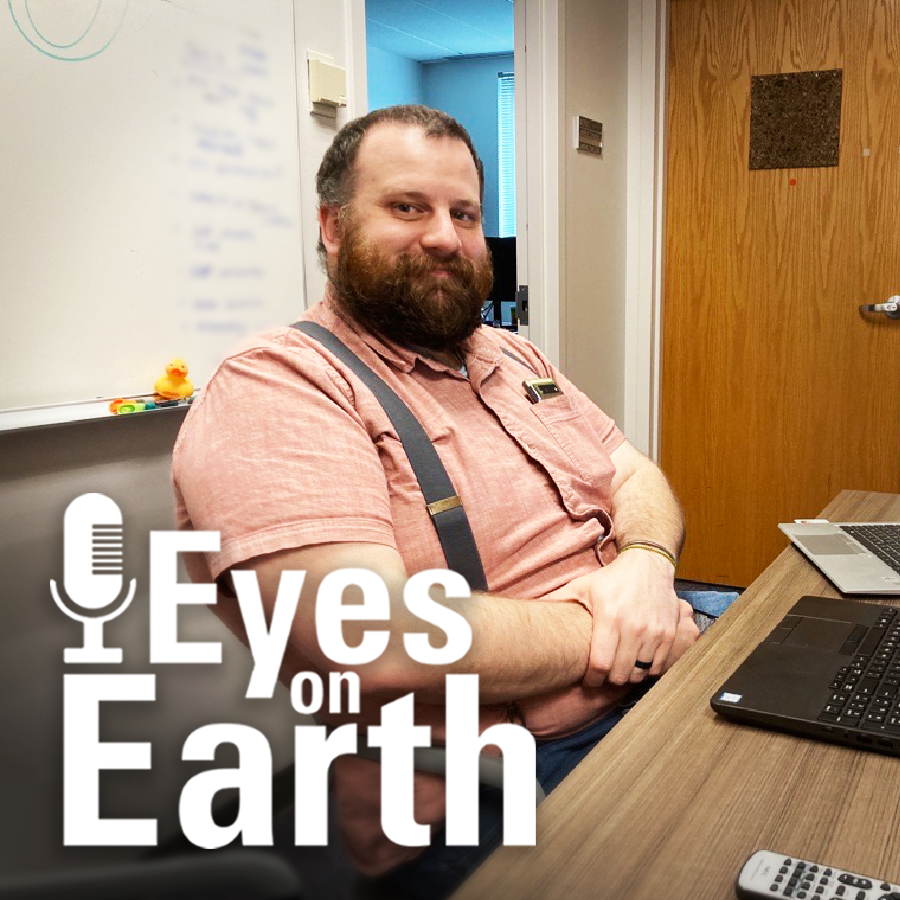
(685, 635)
(636, 616)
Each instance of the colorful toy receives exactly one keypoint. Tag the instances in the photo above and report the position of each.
(121, 406)
(131, 406)
(175, 384)
(172, 389)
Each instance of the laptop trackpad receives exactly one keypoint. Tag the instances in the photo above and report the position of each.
(818, 634)
(829, 544)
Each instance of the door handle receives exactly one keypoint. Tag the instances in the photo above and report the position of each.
(891, 307)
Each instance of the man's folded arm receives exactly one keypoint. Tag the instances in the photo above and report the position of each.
(636, 613)
(519, 648)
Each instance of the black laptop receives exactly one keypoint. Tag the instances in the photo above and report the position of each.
(829, 670)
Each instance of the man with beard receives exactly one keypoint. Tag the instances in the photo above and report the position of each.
(293, 460)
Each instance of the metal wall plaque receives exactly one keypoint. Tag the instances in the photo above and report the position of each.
(589, 137)
(795, 120)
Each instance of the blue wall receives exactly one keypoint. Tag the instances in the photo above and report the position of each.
(467, 89)
(392, 79)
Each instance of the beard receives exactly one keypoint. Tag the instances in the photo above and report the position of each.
(403, 299)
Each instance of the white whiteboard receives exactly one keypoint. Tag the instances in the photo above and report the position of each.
(149, 190)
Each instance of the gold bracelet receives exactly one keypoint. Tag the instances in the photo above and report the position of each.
(651, 547)
(646, 542)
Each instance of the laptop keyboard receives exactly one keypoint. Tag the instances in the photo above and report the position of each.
(882, 540)
(866, 693)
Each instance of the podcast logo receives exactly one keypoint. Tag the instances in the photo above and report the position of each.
(93, 574)
(93, 583)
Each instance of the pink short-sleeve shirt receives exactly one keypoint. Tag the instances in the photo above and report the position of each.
(285, 448)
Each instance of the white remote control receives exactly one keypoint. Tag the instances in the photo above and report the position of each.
(768, 874)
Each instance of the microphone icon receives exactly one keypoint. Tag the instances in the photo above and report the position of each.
(93, 573)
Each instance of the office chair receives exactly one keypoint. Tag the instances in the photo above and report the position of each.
(225, 875)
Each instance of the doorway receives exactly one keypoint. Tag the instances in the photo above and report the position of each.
(458, 56)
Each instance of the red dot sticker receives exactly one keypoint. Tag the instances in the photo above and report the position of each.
(792, 182)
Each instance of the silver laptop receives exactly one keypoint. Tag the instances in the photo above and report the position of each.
(857, 557)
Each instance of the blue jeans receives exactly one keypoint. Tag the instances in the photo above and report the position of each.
(441, 869)
(708, 605)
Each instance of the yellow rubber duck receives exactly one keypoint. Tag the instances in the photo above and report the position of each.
(175, 384)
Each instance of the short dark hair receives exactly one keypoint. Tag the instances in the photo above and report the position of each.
(334, 180)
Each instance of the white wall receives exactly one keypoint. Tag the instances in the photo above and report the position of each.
(594, 213)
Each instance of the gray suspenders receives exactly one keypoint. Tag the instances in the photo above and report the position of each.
(447, 514)
(446, 509)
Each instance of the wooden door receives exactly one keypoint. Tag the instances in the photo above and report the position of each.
(776, 392)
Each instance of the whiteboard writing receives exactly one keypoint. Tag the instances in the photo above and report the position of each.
(149, 194)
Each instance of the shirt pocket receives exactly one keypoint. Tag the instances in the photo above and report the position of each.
(558, 436)
(562, 420)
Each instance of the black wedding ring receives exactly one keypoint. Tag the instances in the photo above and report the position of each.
(640, 664)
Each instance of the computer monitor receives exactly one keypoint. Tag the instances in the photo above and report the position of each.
(503, 295)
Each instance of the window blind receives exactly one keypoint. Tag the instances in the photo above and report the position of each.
(506, 130)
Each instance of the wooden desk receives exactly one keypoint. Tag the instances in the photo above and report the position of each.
(671, 803)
